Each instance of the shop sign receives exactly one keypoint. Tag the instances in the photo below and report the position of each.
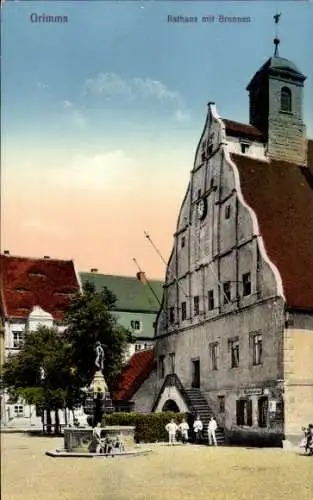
(253, 391)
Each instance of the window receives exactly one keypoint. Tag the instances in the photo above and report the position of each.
(39, 411)
(246, 284)
(183, 310)
(214, 356)
(161, 367)
(244, 412)
(211, 300)
(221, 404)
(211, 183)
(234, 353)
(203, 156)
(210, 149)
(138, 347)
(199, 193)
(172, 315)
(196, 305)
(262, 411)
(18, 338)
(227, 211)
(19, 410)
(285, 100)
(172, 362)
(244, 147)
(226, 292)
(257, 340)
(183, 241)
(135, 324)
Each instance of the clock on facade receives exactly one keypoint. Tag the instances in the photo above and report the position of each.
(202, 208)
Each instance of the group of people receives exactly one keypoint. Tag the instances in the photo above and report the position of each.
(182, 431)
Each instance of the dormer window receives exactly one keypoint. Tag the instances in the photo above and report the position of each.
(244, 147)
(285, 100)
(135, 325)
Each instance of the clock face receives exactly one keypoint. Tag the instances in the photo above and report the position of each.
(202, 208)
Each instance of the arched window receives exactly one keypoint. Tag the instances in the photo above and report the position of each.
(285, 99)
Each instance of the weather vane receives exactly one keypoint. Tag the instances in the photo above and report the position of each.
(276, 39)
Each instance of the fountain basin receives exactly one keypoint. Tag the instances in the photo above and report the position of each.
(80, 439)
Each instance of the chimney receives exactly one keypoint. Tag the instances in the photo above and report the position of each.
(46, 257)
(93, 270)
(6, 252)
(141, 277)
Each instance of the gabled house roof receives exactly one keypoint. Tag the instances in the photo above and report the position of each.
(281, 195)
(242, 130)
(131, 294)
(137, 371)
(27, 282)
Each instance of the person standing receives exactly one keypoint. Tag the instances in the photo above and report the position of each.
(184, 428)
(197, 429)
(211, 431)
(171, 428)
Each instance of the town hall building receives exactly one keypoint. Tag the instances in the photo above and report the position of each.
(234, 335)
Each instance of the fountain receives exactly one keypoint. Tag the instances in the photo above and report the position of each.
(99, 440)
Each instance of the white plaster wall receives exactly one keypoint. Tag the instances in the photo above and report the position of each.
(174, 394)
(256, 149)
(146, 394)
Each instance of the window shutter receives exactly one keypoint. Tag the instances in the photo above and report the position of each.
(249, 412)
(238, 412)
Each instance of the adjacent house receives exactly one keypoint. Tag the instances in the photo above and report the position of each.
(33, 292)
(234, 335)
(137, 305)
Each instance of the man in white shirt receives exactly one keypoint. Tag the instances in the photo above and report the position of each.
(171, 429)
(184, 428)
(197, 429)
(211, 431)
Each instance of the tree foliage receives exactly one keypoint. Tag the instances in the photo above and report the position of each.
(68, 358)
(40, 371)
(89, 320)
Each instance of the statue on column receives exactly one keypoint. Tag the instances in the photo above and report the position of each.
(99, 361)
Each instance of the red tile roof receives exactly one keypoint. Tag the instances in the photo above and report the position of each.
(281, 194)
(137, 371)
(236, 129)
(28, 282)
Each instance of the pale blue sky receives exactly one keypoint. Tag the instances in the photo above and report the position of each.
(47, 65)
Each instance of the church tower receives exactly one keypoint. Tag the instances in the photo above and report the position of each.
(276, 95)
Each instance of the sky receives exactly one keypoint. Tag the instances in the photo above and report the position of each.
(101, 116)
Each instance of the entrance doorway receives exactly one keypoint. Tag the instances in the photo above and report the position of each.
(170, 405)
(196, 373)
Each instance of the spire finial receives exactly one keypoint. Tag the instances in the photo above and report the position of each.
(276, 39)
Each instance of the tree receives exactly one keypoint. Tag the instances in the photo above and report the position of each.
(89, 319)
(52, 369)
(40, 372)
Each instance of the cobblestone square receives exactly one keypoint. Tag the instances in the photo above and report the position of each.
(168, 473)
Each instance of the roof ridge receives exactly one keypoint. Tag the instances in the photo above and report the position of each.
(119, 276)
(27, 257)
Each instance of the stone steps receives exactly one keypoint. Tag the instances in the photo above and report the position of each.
(200, 407)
